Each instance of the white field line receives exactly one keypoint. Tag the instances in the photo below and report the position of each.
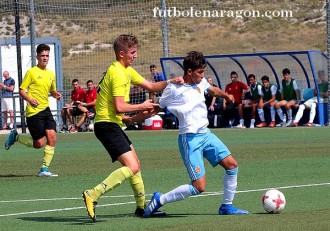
(132, 202)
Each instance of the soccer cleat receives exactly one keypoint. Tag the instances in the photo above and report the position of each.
(139, 213)
(288, 124)
(45, 172)
(294, 124)
(12, 138)
(261, 125)
(229, 209)
(272, 124)
(90, 205)
(153, 206)
(64, 129)
(309, 124)
(240, 126)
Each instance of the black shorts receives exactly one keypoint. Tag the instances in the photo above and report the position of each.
(39, 123)
(113, 139)
(76, 111)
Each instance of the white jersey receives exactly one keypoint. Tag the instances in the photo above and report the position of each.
(187, 103)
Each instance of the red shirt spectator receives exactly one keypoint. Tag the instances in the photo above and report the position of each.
(236, 89)
(78, 94)
(91, 95)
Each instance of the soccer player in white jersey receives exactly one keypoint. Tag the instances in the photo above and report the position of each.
(196, 141)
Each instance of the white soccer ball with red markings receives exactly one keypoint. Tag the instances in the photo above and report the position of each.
(273, 201)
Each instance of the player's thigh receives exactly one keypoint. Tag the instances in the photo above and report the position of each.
(214, 150)
(113, 139)
(280, 103)
(36, 126)
(190, 146)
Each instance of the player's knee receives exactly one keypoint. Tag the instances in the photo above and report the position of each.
(199, 187)
(193, 190)
(135, 168)
(38, 144)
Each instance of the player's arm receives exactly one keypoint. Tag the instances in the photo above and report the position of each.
(159, 86)
(217, 92)
(122, 107)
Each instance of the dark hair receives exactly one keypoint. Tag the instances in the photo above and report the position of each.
(233, 73)
(251, 76)
(286, 71)
(153, 66)
(124, 42)
(193, 61)
(320, 72)
(75, 80)
(265, 78)
(89, 81)
(42, 47)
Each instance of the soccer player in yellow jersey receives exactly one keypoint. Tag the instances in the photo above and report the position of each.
(36, 85)
(111, 104)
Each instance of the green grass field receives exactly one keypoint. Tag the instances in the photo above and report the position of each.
(295, 160)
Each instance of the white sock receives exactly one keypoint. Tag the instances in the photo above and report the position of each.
(280, 113)
(253, 121)
(178, 194)
(261, 114)
(312, 113)
(300, 113)
(289, 112)
(229, 188)
(241, 122)
(272, 113)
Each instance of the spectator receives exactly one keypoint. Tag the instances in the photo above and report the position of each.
(78, 95)
(290, 96)
(212, 103)
(88, 105)
(155, 77)
(270, 95)
(238, 90)
(255, 91)
(7, 87)
(311, 103)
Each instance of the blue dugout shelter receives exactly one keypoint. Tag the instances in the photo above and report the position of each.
(303, 65)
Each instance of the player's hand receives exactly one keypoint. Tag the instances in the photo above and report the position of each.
(230, 98)
(148, 104)
(127, 119)
(177, 80)
(34, 103)
(56, 95)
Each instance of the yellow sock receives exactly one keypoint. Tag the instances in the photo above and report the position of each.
(138, 189)
(113, 180)
(25, 140)
(48, 156)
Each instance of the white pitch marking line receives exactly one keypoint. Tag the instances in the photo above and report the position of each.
(132, 202)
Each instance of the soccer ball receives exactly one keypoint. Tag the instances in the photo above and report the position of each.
(273, 201)
(91, 127)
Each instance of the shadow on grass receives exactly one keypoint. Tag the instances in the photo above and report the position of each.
(16, 176)
(100, 218)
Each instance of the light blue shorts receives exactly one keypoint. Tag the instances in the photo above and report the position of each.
(193, 147)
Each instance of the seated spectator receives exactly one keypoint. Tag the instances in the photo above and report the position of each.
(311, 103)
(87, 106)
(253, 101)
(238, 90)
(77, 96)
(155, 77)
(212, 103)
(270, 95)
(290, 96)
